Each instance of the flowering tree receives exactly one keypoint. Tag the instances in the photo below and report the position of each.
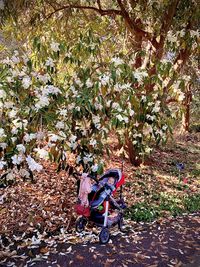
(93, 84)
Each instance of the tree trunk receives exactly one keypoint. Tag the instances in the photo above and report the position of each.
(132, 154)
(186, 114)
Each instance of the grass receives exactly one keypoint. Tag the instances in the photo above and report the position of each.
(166, 206)
(157, 189)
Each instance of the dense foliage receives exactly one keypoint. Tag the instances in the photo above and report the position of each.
(64, 91)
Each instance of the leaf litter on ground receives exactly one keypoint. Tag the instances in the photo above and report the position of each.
(40, 216)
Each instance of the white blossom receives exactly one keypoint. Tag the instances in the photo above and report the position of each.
(156, 109)
(89, 83)
(12, 113)
(147, 129)
(78, 82)
(195, 33)
(73, 89)
(160, 132)
(136, 124)
(71, 106)
(186, 78)
(32, 164)
(43, 78)
(182, 33)
(63, 112)
(73, 145)
(20, 74)
(93, 142)
(96, 119)
(117, 61)
(119, 117)
(24, 173)
(140, 75)
(2, 164)
(94, 168)
(2, 94)
(60, 125)
(19, 124)
(131, 112)
(98, 106)
(118, 71)
(155, 96)
(55, 47)
(2, 132)
(78, 159)
(14, 139)
(14, 131)
(176, 86)
(43, 101)
(181, 96)
(126, 86)
(16, 159)
(148, 150)
(3, 145)
(144, 98)
(115, 105)
(29, 137)
(26, 82)
(72, 138)
(104, 79)
(6, 60)
(50, 89)
(164, 127)
(150, 117)
(126, 119)
(10, 79)
(171, 38)
(39, 135)
(10, 176)
(21, 148)
(49, 62)
(43, 154)
(117, 87)
(15, 59)
(150, 104)
(25, 59)
(84, 132)
(53, 138)
(87, 158)
(108, 103)
(8, 104)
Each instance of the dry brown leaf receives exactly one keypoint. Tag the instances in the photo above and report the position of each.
(44, 250)
(79, 257)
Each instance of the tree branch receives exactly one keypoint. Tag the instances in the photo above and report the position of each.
(133, 25)
(102, 12)
(134, 29)
(167, 21)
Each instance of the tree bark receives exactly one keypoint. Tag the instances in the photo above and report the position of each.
(186, 114)
(132, 154)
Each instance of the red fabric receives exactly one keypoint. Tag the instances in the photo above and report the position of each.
(82, 210)
(120, 183)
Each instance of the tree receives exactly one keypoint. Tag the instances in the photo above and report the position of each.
(147, 72)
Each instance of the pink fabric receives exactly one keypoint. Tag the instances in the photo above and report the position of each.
(85, 189)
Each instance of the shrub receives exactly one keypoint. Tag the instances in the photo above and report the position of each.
(192, 203)
(143, 212)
